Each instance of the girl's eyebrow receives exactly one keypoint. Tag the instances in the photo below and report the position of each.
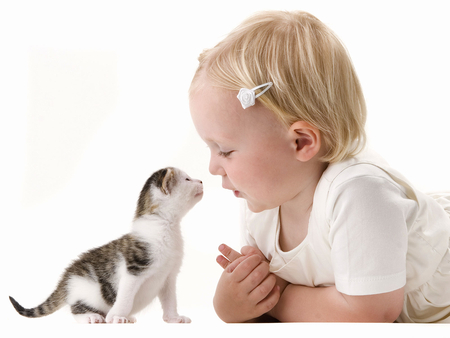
(207, 140)
(209, 143)
(217, 140)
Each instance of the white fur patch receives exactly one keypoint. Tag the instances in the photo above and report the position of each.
(86, 291)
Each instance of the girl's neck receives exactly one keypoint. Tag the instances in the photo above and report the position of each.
(295, 213)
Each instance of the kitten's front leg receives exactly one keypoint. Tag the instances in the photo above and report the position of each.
(168, 299)
(128, 287)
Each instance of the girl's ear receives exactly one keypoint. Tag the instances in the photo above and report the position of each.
(306, 139)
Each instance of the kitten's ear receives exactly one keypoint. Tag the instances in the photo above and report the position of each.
(168, 181)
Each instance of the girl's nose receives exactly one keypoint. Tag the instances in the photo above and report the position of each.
(215, 168)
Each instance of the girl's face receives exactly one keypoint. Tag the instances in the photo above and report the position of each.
(250, 148)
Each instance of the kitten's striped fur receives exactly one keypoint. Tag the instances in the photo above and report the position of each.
(112, 282)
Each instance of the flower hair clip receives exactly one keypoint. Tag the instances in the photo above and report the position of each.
(248, 97)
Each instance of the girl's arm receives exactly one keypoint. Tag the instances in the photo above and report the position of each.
(325, 304)
(300, 303)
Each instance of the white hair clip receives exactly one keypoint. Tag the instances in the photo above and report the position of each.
(247, 96)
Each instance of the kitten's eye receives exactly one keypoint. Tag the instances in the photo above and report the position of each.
(188, 179)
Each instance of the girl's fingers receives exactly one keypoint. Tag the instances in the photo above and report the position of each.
(223, 262)
(269, 302)
(229, 256)
(227, 265)
(235, 263)
(262, 291)
(245, 265)
(249, 250)
(229, 253)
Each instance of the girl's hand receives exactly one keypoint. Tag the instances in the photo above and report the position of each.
(233, 258)
(246, 289)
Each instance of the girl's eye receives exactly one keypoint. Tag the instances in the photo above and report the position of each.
(225, 154)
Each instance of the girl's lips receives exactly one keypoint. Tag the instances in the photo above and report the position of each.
(236, 193)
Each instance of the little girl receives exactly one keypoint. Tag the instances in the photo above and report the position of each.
(332, 232)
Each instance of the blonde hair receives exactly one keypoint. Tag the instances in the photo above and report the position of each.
(313, 76)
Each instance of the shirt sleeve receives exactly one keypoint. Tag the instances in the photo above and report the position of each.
(368, 235)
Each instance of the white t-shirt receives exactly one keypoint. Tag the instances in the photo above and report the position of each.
(369, 232)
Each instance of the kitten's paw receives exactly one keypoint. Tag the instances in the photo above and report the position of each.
(89, 318)
(121, 320)
(177, 319)
(95, 318)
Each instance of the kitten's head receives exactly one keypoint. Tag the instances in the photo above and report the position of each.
(169, 191)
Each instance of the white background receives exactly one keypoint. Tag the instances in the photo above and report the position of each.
(93, 99)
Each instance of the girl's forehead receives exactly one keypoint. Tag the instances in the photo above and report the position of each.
(218, 115)
(213, 105)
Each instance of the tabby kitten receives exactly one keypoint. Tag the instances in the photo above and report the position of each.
(115, 281)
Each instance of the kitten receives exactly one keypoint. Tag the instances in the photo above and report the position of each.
(113, 282)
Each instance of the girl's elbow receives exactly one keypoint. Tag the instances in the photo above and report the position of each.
(393, 312)
(392, 306)
(386, 315)
(396, 308)
(380, 308)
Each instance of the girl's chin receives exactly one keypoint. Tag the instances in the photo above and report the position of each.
(255, 208)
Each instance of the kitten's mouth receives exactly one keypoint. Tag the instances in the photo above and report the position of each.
(199, 194)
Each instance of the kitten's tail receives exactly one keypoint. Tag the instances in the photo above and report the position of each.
(52, 304)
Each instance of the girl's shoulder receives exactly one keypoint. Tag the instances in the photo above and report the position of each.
(366, 166)
(367, 163)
